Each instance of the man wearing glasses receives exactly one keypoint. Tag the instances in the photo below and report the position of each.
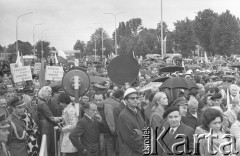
(131, 124)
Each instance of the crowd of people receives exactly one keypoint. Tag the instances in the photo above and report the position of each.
(111, 120)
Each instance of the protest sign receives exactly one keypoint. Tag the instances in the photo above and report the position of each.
(36, 68)
(54, 73)
(21, 74)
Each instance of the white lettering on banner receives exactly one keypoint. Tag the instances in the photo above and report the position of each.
(54, 73)
(21, 74)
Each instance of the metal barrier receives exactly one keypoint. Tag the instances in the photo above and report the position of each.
(43, 149)
(56, 143)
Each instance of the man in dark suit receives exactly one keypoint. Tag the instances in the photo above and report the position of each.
(88, 132)
(193, 116)
(174, 135)
(116, 112)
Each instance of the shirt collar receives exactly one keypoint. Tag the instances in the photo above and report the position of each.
(174, 129)
(134, 110)
(88, 116)
(195, 115)
(124, 102)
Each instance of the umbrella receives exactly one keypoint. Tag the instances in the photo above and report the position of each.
(178, 82)
(171, 69)
(218, 62)
(157, 64)
(193, 67)
(98, 79)
(229, 76)
(160, 79)
(236, 65)
(150, 85)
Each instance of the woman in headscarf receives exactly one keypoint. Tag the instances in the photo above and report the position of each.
(46, 118)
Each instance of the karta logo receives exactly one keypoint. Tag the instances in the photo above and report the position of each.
(159, 141)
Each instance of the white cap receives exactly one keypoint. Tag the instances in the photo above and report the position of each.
(129, 91)
(197, 70)
(189, 72)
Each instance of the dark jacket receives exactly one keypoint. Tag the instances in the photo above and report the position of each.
(46, 124)
(166, 141)
(191, 121)
(55, 107)
(130, 141)
(116, 112)
(109, 105)
(88, 132)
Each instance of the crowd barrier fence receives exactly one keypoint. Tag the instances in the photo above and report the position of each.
(43, 149)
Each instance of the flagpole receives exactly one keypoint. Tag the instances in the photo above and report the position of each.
(162, 30)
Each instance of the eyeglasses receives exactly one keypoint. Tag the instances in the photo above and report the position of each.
(133, 98)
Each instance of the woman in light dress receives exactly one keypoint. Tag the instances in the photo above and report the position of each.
(69, 122)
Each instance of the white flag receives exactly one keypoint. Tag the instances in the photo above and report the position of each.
(62, 54)
(205, 57)
(55, 57)
(19, 61)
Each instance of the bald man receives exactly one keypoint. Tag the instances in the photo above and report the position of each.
(193, 116)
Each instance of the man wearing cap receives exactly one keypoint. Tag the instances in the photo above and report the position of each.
(131, 124)
(182, 104)
(3, 135)
(168, 135)
(17, 142)
(217, 101)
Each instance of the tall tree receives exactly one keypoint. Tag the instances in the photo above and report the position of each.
(225, 36)
(25, 48)
(96, 37)
(43, 45)
(81, 46)
(203, 25)
(184, 40)
(1, 49)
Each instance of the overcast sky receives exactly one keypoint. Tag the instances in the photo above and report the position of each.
(66, 21)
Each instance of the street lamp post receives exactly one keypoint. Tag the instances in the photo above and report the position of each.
(102, 42)
(102, 38)
(115, 18)
(95, 46)
(162, 31)
(42, 41)
(34, 49)
(17, 28)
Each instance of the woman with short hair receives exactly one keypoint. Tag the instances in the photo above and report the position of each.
(212, 123)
